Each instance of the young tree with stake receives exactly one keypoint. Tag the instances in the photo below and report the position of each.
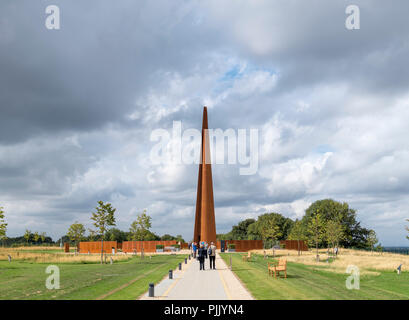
(140, 228)
(36, 237)
(76, 232)
(103, 218)
(269, 229)
(372, 239)
(334, 233)
(298, 233)
(316, 230)
(27, 235)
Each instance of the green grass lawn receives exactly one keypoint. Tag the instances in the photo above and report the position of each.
(25, 280)
(310, 282)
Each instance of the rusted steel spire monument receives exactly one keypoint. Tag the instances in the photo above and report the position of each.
(205, 225)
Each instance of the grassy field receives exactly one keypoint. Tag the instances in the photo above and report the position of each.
(315, 281)
(52, 255)
(126, 279)
(368, 262)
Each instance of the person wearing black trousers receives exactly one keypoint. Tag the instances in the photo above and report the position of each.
(202, 255)
(212, 255)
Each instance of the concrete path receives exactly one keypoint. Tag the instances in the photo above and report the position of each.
(194, 284)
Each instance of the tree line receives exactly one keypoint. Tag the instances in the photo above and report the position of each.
(326, 223)
(103, 220)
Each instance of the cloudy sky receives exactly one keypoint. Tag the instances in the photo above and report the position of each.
(78, 106)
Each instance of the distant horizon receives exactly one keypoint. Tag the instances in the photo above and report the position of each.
(186, 239)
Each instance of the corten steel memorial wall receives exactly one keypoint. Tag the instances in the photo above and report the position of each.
(148, 246)
(95, 246)
(242, 245)
(295, 245)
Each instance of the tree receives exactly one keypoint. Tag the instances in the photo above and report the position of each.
(407, 229)
(76, 232)
(3, 225)
(334, 233)
(93, 235)
(354, 234)
(36, 237)
(115, 234)
(372, 239)
(240, 231)
(252, 232)
(104, 218)
(224, 236)
(316, 229)
(42, 237)
(268, 227)
(298, 233)
(27, 235)
(139, 229)
(167, 237)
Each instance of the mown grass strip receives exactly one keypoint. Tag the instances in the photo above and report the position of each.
(311, 282)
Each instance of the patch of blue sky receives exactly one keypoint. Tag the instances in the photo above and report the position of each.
(234, 73)
(324, 148)
(237, 72)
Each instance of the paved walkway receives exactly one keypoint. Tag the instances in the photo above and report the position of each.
(194, 284)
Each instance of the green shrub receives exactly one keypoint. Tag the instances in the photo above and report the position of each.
(160, 246)
(231, 246)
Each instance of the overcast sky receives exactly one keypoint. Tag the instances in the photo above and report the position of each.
(78, 106)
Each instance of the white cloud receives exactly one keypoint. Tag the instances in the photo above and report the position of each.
(331, 107)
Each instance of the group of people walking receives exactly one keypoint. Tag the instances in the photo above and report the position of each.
(202, 252)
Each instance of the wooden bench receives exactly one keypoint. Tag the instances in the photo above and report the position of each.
(248, 257)
(276, 268)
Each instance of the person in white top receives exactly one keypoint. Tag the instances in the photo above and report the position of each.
(212, 255)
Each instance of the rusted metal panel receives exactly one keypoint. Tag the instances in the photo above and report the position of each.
(243, 245)
(295, 245)
(95, 246)
(148, 246)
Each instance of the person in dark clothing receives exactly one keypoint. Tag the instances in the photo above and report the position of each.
(202, 255)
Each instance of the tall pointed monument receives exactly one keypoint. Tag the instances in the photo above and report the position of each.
(205, 225)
